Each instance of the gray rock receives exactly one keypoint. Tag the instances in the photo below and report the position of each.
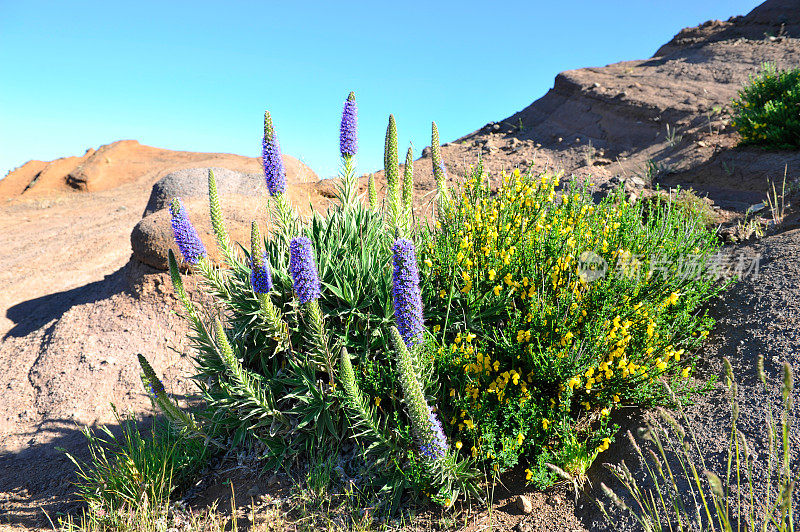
(193, 183)
(524, 504)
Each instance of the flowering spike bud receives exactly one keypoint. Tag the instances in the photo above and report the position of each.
(154, 383)
(216, 216)
(303, 269)
(392, 170)
(760, 369)
(274, 171)
(186, 236)
(788, 382)
(373, 193)
(439, 172)
(408, 179)
(406, 292)
(260, 274)
(425, 425)
(348, 130)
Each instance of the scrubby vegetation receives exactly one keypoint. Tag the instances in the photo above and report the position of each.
(767, 109)
(443, 352)
(683, 492)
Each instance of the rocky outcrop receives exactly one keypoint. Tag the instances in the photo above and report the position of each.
(664, 119)
(242, 199)
(127, 161)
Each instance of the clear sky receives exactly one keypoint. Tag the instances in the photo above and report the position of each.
(198, 75)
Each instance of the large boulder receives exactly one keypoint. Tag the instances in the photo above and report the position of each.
(243, 198)
(193, 183)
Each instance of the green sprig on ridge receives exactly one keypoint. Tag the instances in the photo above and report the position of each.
(218, 225)
(392, 172)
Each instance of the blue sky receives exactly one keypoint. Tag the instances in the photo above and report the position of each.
(198, 75)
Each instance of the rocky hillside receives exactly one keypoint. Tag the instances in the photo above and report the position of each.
(664, 119)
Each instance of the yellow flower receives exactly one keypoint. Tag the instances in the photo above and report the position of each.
(685, 372)
(452, 392)
(604, 412)
(437, 328)
(545, 423)
(443, 293)
(428, 263)
(497, 290)
(377, 401)
(470, 337)
(603, 445)
(459, 445)
(528, 474)
(520, 437)
(492, 274)
(616, 398)
(470, 425)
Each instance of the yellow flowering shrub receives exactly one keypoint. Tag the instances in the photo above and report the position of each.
(552, 313)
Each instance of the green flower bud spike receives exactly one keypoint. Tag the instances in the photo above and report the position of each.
(246, 385)
(223, 241)
(425, 426)
(392, 172)
(408, 181)
(365, 424)
(373, 193)
(174, 414)
(318, 338)
(443, 199)
(275, 326)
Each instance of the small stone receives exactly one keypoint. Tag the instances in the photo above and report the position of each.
(523, 526)
(496, 127)
(524, 504)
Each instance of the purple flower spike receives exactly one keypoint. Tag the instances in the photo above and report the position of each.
(260, 276)
(186, 236)
(348, 131)
(407, 298)
(437, 448)
(303, 269)
(274, 171)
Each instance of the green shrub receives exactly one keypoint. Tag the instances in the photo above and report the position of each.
(133, 469)
(316, 335)
(539, 346)
(767, 110)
